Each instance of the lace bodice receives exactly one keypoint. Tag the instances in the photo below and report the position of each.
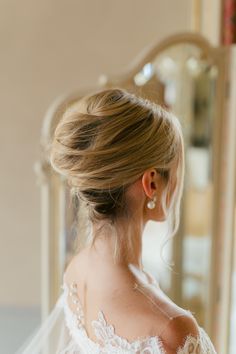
(108, 342)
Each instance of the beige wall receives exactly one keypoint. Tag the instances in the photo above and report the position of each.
(49, 48)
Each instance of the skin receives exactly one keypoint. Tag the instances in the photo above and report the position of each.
(96, 273)
(143, 190)
(139, 194)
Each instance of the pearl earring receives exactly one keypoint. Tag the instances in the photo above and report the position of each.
(152, 203)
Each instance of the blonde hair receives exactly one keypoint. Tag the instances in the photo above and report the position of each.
(106, 141)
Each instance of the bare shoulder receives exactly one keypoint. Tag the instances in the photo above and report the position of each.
(177, 330)
(132, 314)
(76, 266)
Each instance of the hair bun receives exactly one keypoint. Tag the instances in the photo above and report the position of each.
(107, 140)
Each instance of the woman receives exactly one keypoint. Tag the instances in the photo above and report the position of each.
(123, 157)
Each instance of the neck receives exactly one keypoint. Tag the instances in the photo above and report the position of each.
(126, 234)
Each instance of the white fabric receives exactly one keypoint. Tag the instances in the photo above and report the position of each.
(63, 333)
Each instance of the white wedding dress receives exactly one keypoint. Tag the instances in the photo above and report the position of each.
(63, 331)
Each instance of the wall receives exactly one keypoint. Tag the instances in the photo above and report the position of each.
(49, 48)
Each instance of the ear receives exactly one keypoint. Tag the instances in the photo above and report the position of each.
(149, 182)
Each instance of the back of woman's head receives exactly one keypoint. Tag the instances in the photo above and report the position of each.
(106, 142)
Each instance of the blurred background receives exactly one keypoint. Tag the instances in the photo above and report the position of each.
(180, 53)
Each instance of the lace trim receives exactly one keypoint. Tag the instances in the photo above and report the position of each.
(197, 345)
(105, 333)
(76, 330)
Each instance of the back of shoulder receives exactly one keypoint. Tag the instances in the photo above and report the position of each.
(75, 267)
(180, 331)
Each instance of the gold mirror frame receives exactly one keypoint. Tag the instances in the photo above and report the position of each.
(224, 172)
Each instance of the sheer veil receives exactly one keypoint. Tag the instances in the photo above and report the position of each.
(51, 336)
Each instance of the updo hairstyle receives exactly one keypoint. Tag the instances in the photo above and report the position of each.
(107, 140)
